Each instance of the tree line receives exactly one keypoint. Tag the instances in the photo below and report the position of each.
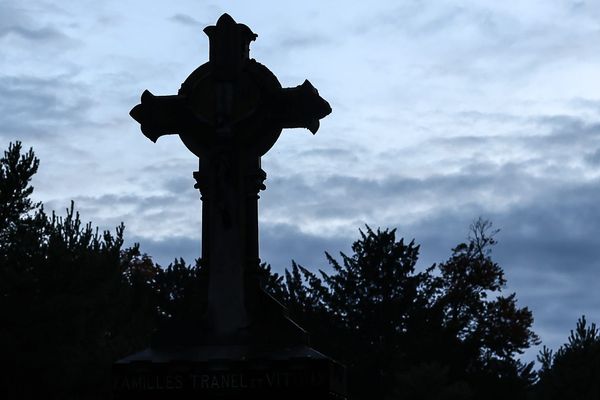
(74, 299)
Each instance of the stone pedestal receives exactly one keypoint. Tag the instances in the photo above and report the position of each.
(229, 372)
(272, 359)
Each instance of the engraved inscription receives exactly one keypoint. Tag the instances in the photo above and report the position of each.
(210, 381)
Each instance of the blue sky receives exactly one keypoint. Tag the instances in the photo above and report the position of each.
(443, 111)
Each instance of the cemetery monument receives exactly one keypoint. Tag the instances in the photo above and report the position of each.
(229, 112)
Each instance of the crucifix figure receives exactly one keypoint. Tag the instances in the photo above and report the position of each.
(229, 112)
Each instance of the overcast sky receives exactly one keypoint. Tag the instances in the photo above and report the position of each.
(443, 111)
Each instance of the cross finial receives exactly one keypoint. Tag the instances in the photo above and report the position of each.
(229, 44)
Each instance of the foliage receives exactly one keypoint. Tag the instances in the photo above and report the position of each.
(16, 170)
(446, 329)
(489, 326)
(573, 372)
(181, 290)
(72, 299)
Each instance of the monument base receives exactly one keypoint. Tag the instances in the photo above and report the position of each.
(229, 372)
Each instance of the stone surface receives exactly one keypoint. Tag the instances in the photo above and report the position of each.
(229, 372)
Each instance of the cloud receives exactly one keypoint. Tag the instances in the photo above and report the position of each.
(210, 14)
(41, 34)
(186, 20)
(15, 21)
(153, 216)
(301, 40)
(328, 202)
(34, 106)
(165, 251)
(550, 252)
(341, 155)
(282, 243)
(593, 158)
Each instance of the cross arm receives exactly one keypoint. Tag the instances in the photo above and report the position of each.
(165, 115)
(299, 107)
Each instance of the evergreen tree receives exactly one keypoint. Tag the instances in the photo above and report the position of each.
(16, 171)
(573, 372)
(72, 299)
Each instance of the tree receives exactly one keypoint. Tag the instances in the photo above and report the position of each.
(489, 326)
(573, 372)
(16, 170)
(72, 299)
(359, 312)
(445, 329)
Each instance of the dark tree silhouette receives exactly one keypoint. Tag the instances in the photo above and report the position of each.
(444, 332)
(71, 298)
(181, 290)
(16, 171)
(489, 326)
(573, 372)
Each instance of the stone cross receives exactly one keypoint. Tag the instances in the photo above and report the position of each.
(229, 112)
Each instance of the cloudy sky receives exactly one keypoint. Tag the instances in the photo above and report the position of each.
(443, 111)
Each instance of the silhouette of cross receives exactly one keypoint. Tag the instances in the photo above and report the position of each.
(229, 112)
